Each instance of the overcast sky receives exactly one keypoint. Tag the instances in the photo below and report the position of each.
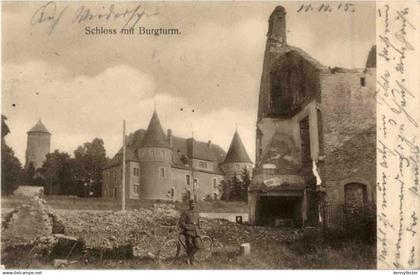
(83, 86)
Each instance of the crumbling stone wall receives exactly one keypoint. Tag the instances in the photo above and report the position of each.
(347, 107)
(348, 110)
(28, 221)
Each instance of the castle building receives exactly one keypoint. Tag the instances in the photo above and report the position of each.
(38, 145)
(316, 135)
(168, 167)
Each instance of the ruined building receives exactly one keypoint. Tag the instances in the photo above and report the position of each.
(316, 135)
(168, 167)
(38, 145)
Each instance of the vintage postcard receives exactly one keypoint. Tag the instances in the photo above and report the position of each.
(210, 135)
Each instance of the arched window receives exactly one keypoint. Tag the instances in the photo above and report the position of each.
(355, 195)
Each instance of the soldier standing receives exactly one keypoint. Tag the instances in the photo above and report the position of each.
(189, 223)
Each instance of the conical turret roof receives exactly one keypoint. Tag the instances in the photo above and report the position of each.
(39, 128)
(237, 151)
(371, 60)
(155, 136)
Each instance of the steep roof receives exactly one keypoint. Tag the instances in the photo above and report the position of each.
(130, 155)
(187, 148)
(184, 149)
(155, 136)
(237, 151)
(39, 128)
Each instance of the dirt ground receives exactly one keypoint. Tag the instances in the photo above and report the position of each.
(147, 229)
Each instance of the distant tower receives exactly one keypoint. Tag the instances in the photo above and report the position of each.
(236, 158)
(38, 145)
(155, 154)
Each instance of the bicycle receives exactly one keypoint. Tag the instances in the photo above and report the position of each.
(171, 250)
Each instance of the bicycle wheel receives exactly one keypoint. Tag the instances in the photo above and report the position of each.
(169, 251)
(205, 249)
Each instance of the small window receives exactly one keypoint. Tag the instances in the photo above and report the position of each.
(188, 179)
(195, 183)
(202, 164)
(363, 81)
(153, 153)
(214, 183)
(136, 188)
(162, 172)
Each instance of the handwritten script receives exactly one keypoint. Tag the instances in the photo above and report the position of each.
(398, 146)
(327, 7)
(51, 14)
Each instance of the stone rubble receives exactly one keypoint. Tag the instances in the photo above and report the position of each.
(142, 231)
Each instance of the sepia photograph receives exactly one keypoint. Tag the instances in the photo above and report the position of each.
(189, 135)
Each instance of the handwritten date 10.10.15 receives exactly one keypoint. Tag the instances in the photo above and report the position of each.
(327, 7)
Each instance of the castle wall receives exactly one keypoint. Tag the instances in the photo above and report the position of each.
(180, 183)
(154, 184)
(133, 180)
(38, 146)
(347, 107)
(205, 184)
(155, 173)
(348, 113)
(111, 186)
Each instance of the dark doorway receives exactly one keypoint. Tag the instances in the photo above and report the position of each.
(280, 211)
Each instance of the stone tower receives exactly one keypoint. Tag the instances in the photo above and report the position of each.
(277, 25)
(38, 145)
(235, 162)
(155, 154)
(283, 184)
(236, 159)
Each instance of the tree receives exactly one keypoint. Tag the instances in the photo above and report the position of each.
(29, 173)
(4, 128)
(245, 182)
(90, 160)
(11, 168)
(235, 188)
(57, 172)
(224, 189)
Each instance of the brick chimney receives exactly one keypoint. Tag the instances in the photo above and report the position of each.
(170, 137)
(277, 25)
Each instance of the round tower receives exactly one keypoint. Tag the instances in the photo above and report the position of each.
(155, 154)
(38, 145)
(237, 159)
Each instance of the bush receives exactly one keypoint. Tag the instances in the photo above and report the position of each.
(359, 225)
(309, 242)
